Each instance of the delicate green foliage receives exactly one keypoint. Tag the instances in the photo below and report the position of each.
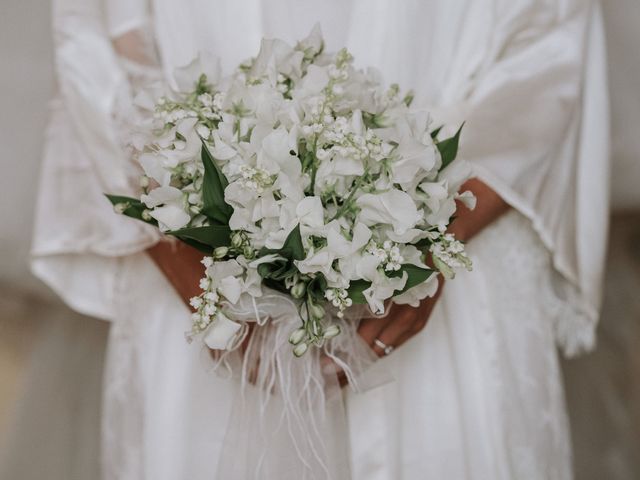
(316, 288)
(201, 247)
(434, 133)
(449, 148)
(131, 207)
(277, 270)
(415, 276)
(212, 236)
(215, 207)
(292, 249)
(355, 291)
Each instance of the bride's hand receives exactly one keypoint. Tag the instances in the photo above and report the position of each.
(181, 265)
(402, 323)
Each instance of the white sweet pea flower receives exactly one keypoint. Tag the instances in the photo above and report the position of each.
(416, 294)
(318, 262)
(186, 77)
(167, 206)
(410, 235)
(265, 207)
(276, 56)
(382, 288)
(276, 234)
(439, 202)
(220, 149)
(227, 278)
(394, 207)
(310, 214)
(242, 219)
(158, 166)
(413, 158)
(190, 147)
(340, 246)
(313, 44)
(313, 83)
(275, 156)
(467, 198)
(222, 330)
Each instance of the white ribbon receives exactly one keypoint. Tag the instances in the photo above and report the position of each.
(288, 419)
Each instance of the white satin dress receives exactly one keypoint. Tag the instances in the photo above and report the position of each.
(477, 394)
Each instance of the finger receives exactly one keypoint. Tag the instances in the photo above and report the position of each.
(370, 328)
(399, 328)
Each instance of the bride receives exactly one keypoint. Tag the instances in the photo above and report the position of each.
(477, 393)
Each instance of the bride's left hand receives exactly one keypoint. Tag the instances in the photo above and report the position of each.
(402, 323)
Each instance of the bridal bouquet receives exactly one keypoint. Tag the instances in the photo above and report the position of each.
(298, 174)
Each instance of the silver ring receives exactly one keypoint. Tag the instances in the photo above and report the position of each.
(387, 349)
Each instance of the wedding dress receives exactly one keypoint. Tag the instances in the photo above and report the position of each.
(477, 394)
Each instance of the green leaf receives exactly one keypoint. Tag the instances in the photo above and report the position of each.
(274, 285)
(134, 207)
(317, 287)
(415, 276)
(292, 248)
(355, 291)
(449, 148)
(215, 207)
(278, 270)
(435, 133)
(211, 236)
(206, 249)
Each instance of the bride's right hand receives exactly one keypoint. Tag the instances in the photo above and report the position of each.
(181, 265)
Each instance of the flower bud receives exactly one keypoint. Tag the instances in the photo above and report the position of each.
(236, 240)
(300, 349)
(298, 290)
(144, 181)
(220, 252)
(146, 215)
(194, 209)
(316, 311)
(120, 207)
(331, 331)
(444, 269)
(297, 336)
(248, 252)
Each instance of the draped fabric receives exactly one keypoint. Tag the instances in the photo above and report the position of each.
(526, 76)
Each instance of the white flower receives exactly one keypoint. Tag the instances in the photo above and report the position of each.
(226, 278)
(205, 63)
(382, 288)
(439, 202)
(167, 207)
(222, 330)
(310, 214)
(394, 207)
(416, 294)
(318, 262)
(467, 198)
(158, 166)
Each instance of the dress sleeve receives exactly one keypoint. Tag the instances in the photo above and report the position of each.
(78, 240)
(536, 110)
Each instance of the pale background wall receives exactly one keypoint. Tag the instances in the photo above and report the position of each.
(30, 316)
